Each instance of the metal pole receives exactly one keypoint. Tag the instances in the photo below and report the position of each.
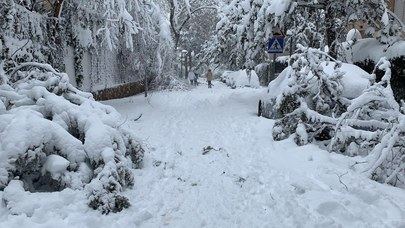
(273, 69)
(291, 45)
(186, 65)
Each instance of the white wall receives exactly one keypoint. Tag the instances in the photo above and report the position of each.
(68, 60)
(101, 69)
(400, 9)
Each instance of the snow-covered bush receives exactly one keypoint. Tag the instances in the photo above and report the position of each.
(373, 126)
(315, 80)
(240, 78)
(369, 125)
(54, 136)
(309, 98)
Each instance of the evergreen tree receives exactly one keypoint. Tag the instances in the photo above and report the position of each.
(246, 25)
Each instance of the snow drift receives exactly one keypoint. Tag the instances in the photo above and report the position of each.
(240, 78)
(54, 136)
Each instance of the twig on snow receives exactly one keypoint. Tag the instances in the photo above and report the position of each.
(136, 119)
(207, 149)
(340, 179)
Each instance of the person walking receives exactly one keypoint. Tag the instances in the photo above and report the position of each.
(191, 77)
(209, 76)
(196, 79)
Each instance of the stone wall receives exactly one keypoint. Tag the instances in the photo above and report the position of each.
(120, 91)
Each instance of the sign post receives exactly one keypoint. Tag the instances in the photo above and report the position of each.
(275, 46)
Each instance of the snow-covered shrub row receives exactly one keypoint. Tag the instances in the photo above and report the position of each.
(312, 105)
(240, 78)
(54, 136)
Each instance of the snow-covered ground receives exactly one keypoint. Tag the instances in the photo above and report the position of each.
(247, 180)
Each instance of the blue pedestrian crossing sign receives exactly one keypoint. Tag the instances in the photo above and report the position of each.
(276, 44)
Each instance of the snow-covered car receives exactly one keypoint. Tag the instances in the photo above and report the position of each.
(240, 78)
(354, 81)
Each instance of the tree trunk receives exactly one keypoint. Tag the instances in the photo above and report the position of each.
(186, 65)
(146, 86)
(189, 60)
(58, 8)
(330, 32)
(172, 21)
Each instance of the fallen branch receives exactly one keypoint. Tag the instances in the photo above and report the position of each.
(207, 149)
(136, 119)
(340, 180)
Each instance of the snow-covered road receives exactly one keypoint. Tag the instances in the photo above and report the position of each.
(247, 180)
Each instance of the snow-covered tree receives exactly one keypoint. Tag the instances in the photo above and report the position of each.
(245, 26)
(305, 27)
(31, 33)
(55, 136)
(311, 98)
(373, 127)
(199, 28)
(183, 12)
(241, 34)
(312, 108)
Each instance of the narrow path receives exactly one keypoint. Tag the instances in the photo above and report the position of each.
(248, 180)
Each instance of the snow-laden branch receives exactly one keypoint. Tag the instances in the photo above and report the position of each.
(192, 13)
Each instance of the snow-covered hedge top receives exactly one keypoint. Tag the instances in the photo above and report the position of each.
(354, 80)
(372, 49)
(240, 79)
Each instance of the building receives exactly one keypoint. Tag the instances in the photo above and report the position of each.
(398, 7)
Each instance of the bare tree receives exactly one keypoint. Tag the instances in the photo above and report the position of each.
(180, 15)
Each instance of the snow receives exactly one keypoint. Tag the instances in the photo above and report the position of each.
(50, 127)
(385, 19)
(353, 34)
(26, 129)
(354, 80)
(277, 86)
(246, 180)
(371, 49)
(84, 36)
(279, 7)
(55, 164)
(241, 79)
